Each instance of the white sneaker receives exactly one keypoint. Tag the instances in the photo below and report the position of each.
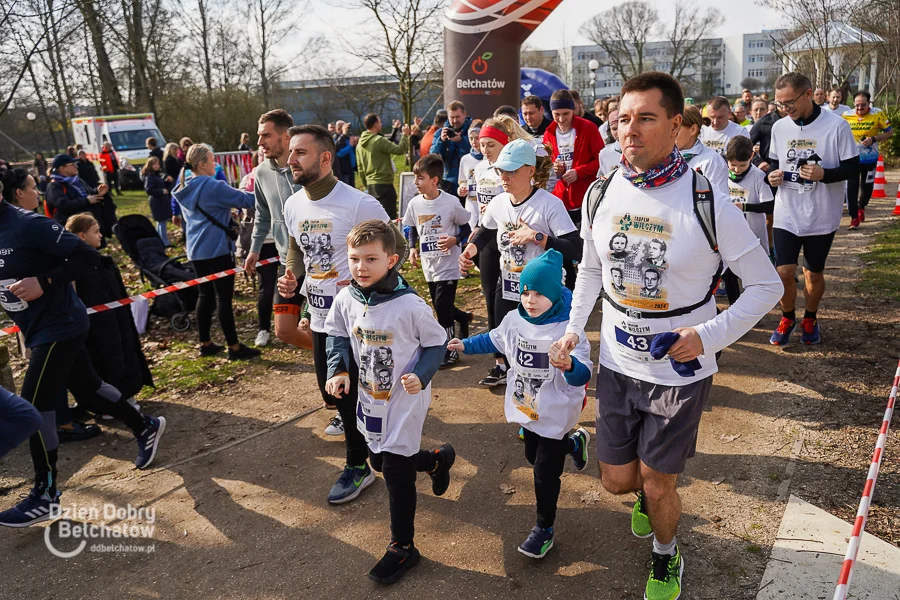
(335, 426)
(262, 338)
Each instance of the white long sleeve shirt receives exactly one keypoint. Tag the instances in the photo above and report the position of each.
(647, 250)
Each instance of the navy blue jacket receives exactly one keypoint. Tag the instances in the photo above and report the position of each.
(451, 152)
(32, 245)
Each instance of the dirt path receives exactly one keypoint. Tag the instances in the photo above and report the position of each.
(250, 520)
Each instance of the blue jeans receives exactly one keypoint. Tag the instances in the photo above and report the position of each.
(18, 421)
(161, 230)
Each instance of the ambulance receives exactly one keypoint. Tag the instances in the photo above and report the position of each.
(128, 135)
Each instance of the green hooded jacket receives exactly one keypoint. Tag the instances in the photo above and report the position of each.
(373, 157)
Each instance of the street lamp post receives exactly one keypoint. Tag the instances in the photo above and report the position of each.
(593, 65)
(33, 118)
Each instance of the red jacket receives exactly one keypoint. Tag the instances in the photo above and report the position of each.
(585, 160)
(108, 161)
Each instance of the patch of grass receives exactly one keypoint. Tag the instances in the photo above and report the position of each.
(753, 549)
(132, 202)
(879, 276)
(176, 365)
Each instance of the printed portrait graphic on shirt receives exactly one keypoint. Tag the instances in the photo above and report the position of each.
(513, 257)
(376, 362)
(638, 252)
(318, 248)
(798, 153)
(525, 396)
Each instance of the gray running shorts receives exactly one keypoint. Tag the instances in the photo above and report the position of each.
(655, 423)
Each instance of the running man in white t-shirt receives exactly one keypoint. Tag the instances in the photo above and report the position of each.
(318, 218)
(812, 154)
(658, 302)
(438, 222)
(721, 128)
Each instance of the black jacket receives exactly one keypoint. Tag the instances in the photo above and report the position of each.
(160, 200)
(88, 173)
(63, 201)
(346, 167)
(590, 116)
(761, 134)
(538, 131)
(113, 341)
(172, 168)
(158, 153)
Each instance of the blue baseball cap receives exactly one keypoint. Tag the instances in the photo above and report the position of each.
(517, 153)
(61, 160)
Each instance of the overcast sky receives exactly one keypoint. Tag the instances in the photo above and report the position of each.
(561, 27)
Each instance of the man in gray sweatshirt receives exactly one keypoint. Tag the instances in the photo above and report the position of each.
(274, 185)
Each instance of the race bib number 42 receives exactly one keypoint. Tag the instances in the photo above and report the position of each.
(533, 358)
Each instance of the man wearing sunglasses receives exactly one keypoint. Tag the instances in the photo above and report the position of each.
(812, 154)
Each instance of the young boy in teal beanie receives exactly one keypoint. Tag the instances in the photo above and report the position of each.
(544, 388)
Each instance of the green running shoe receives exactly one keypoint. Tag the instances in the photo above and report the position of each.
(640, 522)
(664, 582)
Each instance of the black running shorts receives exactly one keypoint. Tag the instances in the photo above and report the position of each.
(815, 249)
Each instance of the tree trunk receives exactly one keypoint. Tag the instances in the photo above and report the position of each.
(110, 95)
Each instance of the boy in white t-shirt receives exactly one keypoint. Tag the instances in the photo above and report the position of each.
(436, 220)
(748, 191)
(379, 323)
(545, 387)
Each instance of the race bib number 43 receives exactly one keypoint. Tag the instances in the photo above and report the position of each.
(634, 345)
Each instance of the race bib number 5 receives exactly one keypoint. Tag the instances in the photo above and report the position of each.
(9, 301)
(510, 286)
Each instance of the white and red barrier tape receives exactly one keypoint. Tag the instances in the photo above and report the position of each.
(862, 515)
(179, 285)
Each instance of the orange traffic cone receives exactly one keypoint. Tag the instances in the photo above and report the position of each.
(896, 212)
(878, 190)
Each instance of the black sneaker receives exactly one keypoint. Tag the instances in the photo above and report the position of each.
(395, 562)
(451, 357)
(497, 376)
(77, 432)
(440, 479)
(211, 350)
(243, 353)
(464, 325)
(148, 441)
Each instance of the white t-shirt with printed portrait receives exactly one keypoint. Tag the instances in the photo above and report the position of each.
(538, 397)
(810, 208)
(433, 219)
(543, 212)
(655, 257)
(718, 140)
(387, 341)
(753, 189)
(320, 228)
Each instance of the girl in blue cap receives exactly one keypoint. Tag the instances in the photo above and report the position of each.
(545, 386)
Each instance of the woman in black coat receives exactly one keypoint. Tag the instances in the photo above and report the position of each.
(158, 194)
(172, 164)
(113, 341)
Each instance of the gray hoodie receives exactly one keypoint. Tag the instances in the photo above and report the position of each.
(273, 186)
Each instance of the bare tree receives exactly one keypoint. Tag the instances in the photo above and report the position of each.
(819, 22)
(882, 17)
(407, 46)
(272, 21)
(110, 96)
(687, 36)
(622, 33)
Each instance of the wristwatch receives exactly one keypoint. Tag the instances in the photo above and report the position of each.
(538, 237)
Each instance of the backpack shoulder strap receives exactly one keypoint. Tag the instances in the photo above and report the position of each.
(596, 193)
(705, 209)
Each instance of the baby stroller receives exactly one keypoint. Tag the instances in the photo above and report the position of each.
(140, 240)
